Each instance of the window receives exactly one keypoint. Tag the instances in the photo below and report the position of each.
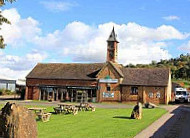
(11, 87)
(3, 86)
(158, 94)
(108, 88)
(134, 90)
(157, 88)
(150, 95)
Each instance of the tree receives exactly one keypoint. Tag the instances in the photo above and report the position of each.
(2, 2)
(153, 63)
(3, 20)
(180, 66)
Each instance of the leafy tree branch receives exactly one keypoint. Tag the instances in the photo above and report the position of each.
(3, 20)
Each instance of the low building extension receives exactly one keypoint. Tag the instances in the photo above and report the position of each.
(8, 84)
(99, 82)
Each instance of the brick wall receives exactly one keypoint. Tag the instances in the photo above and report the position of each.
(29, 93)
(128, 97)
(155, 99)
(32, 89)
(36, 92)
(115, 87)
(143, 94)
(37, 82)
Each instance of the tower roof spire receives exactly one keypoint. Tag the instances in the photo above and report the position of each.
(113, 36)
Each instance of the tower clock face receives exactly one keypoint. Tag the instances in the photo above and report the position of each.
(111, 45)
(111, 54)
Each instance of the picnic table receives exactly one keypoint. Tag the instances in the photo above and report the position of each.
(86, 107)
(66, 109)
(37, 110)
(41, 114)
(63, 105)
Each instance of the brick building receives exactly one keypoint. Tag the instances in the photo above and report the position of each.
(99, 82)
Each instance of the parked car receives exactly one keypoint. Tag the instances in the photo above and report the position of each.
(181, 95)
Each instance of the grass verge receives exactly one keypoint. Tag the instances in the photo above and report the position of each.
(103, 123)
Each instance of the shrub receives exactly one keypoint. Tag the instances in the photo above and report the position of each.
(5, 92)
(8, 92)
(1, 92)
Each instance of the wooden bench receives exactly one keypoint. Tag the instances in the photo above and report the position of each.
(57, 110)
(74, 110)
(86, 107)
(92, 108)
(69, 110)
(41, 114)
(66, 109)
(44, 117)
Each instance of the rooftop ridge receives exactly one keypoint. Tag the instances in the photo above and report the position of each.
(74, 63)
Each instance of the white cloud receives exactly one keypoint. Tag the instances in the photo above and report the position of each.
(15, 67)
(138, 44)
(56, 6)
(7, 73)
(171, 18)
(20, 30)
(185, 47)
(82, 43)
(138, 32)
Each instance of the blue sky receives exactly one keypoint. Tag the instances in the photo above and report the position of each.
(76, 31)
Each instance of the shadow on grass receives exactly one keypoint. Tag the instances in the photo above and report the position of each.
(54, 113)
(37, 120)
(122, 117)
(11, 98)
(179, 103)
(148, 108)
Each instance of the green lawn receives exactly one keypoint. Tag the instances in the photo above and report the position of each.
(103, 123)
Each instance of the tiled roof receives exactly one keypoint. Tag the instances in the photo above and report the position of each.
(118, 68)
(146, 76)
(131, 76)
(65, 71)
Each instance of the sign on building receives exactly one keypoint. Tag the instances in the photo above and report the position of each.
(108, 95)
(108, 80)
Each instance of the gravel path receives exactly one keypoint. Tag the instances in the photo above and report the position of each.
(55, 103)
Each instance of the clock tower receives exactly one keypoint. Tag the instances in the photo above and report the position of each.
(112, 48)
